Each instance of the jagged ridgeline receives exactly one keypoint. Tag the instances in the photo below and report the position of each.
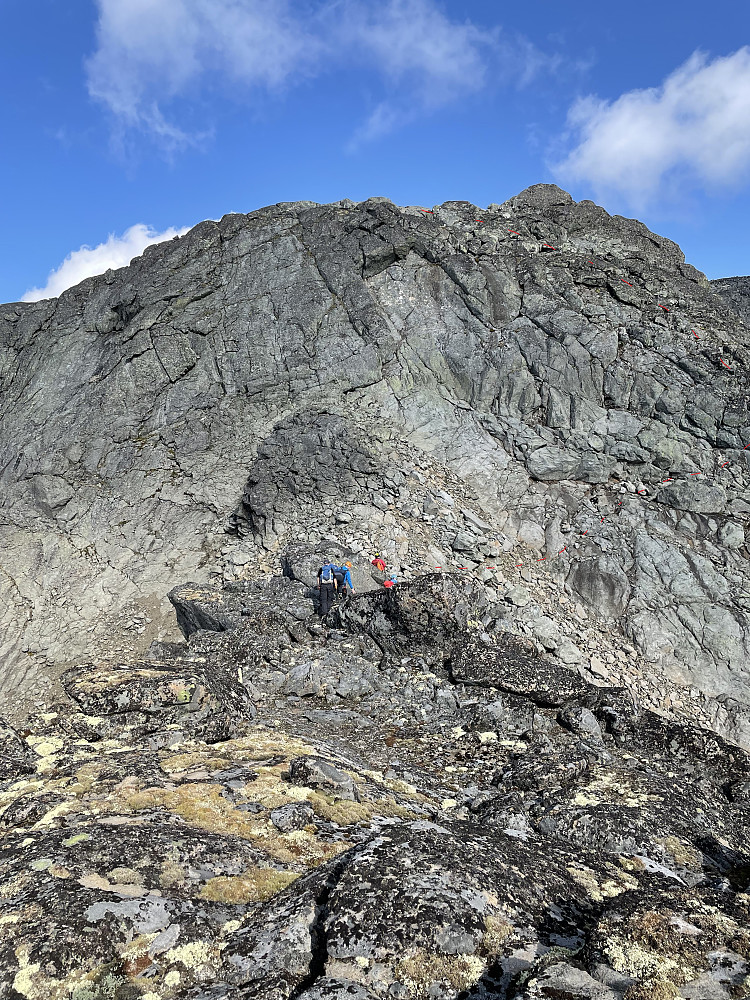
(520, 773)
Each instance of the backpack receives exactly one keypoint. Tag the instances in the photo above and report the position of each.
(326, 573)
(339, 573)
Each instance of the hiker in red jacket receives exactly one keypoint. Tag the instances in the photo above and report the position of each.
(378, 562)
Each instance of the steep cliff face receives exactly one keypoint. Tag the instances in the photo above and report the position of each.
(536, 390)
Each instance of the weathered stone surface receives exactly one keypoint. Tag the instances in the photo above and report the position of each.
(406, 382)
(217, 795)
(531, 836)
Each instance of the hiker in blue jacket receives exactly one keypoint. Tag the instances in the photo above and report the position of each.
(344, 579)
(327, 587)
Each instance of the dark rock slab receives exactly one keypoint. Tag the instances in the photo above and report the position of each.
(513, 665)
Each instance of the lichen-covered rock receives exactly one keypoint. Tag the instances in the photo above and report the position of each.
(539, 837)
(216, 795)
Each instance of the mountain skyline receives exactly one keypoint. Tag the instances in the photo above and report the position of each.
(130, 122)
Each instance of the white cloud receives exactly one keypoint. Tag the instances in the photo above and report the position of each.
(151, 52)
(694, 128)
(413, 41)
(116, 252)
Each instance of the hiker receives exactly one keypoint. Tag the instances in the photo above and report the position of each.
(378, 562)
(391, 581)
(326, 586)
(344, 583)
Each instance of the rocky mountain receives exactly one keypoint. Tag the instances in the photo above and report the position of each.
(520, 773)
(537, 383)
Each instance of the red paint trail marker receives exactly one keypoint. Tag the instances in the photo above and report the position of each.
(724, 363)
(627, 282)
(428, 210)
(695, 334)
(662, 307)
(549, 245)
(514, 231)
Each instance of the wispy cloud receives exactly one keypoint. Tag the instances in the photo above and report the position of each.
(151, 53)
(116, 251)
(694, 129)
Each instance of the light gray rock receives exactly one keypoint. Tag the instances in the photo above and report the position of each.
(314, 772)
(518, 595)
(552, 463)
(694, 496)
(254, 385)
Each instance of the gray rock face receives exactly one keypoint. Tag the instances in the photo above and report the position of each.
(365, 377)
(187, 828)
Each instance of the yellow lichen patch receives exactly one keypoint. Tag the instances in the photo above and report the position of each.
(587, 880)
(344, 812)
(30, 980)
(631, 863)
(254, 885)
(610, 787)
(653, 989)
(263, 743)
(203, 806)
(61, 809)
(641, 963)
(200, 957)
(200, 805)
(121, 874)
(86, 778)
(46, 746)
(76, 839)
(193, 759)
(171, 874)
(683, 854)
(497, 930)
(421, 969)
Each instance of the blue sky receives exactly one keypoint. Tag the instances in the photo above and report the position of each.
(127, 120)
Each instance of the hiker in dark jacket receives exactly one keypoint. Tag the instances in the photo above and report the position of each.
(326, 587)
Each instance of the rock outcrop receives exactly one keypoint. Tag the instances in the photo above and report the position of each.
(523, 771)
(538, 379)
(458, 818)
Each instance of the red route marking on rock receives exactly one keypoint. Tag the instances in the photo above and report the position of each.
(640, 492)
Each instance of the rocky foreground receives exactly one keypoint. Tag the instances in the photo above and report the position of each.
(406, 800)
